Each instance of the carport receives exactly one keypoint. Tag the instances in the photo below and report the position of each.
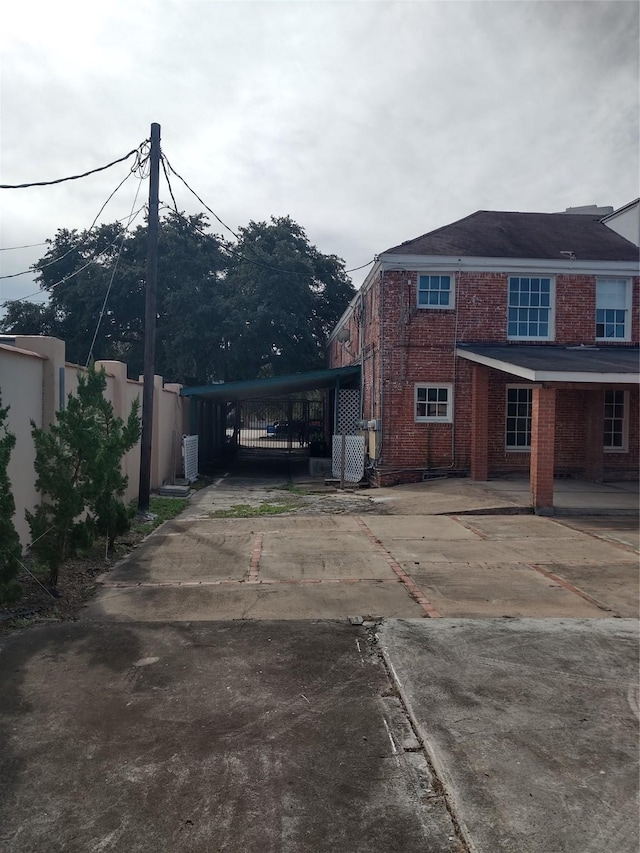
(215, 411)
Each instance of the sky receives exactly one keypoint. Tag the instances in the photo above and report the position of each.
(369, 123)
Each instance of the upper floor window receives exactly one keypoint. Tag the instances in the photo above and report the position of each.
(433, 403)
(530, 308)
(613, 310)
(435, 291)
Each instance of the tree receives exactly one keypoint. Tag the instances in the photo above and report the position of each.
(106, 483)
(78, 467)
(286, 298)
(258, 307)
(10, 549)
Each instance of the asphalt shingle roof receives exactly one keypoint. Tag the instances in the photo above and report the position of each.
(605, 359)
(503, 234)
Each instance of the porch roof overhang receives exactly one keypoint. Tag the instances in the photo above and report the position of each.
(273, 386)
(550, 363)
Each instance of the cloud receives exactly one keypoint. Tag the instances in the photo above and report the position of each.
(368, 122)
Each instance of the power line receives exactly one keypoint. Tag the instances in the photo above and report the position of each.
(75, 272)
(368, 264)
(164, 161)
(203, 203)
(242, 257)
(113, 273)
(78, 245)
(227, 248)
(28, 246)
(134, 151)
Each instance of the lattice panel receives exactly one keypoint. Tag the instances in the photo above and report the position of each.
(190, 457)
(348, 411)
(354, 457)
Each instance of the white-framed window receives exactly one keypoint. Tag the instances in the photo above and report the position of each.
(436, 290)
(519, 399)
(434, 403)
(613, 309)
(616, 420)
(530, 311)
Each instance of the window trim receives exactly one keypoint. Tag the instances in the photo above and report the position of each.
(426, 419)
(628, 307)
(452, 304)
(508, 447)
(552, 307)
(625, 422)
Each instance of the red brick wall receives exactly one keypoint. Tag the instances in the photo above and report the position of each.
(400, 345)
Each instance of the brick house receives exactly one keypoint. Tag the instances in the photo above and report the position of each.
(502, 344)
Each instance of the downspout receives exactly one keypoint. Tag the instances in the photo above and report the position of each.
(455, 367)
(381, 368)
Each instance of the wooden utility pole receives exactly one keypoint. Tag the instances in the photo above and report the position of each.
(150, 324)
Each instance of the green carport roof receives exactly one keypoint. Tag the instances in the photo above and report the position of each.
(273, 386)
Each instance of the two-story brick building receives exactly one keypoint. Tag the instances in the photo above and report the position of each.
(504, 343)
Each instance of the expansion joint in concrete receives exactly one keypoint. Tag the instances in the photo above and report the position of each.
(256, 553)
(570, 587)
(412, 588)
(441, 790)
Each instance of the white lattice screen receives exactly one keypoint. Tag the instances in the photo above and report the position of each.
(348, 411)
(190, 457)
(354, 458)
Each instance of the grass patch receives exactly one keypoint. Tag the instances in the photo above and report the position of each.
(246, 511)
(293, 489)
(163, 509)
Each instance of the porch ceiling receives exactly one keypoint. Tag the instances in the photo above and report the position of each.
(274, 385)
(542, 363)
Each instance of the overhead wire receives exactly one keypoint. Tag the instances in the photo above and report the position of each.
(80, 269)
(139, 165)
(131, 153)
(28, 246)
(113, 273)
(235, 234)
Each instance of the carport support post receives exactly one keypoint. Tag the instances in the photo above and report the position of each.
(594, 436)
(479, 422)
(543, 429)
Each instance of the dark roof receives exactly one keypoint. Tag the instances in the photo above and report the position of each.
(274, 386)
(550, 359)
(502, 234)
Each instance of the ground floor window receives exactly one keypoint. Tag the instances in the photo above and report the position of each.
(615, 420)
(433, 403)
(518, 418)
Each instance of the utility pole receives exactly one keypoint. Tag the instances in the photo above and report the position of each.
(150, 324)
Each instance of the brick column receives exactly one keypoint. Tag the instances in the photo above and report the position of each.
(594, 436)
(543, 430)
(479, 422)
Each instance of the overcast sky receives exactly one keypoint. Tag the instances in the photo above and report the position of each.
(369, 123)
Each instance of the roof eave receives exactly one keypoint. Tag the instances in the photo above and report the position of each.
(502, 264)
(536, 375)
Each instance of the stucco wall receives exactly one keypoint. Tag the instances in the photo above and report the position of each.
(34, 382)
(21, 376)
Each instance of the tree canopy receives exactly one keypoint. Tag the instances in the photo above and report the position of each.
(260, 306)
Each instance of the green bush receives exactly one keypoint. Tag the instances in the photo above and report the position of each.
(10, 549)
(78, 466)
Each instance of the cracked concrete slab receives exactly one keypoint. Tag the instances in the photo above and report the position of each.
(531, 724)
(277, 600)
(196, 738)
(491, 590)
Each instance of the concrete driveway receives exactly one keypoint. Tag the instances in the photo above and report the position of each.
(391, 566)
(215, 696)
